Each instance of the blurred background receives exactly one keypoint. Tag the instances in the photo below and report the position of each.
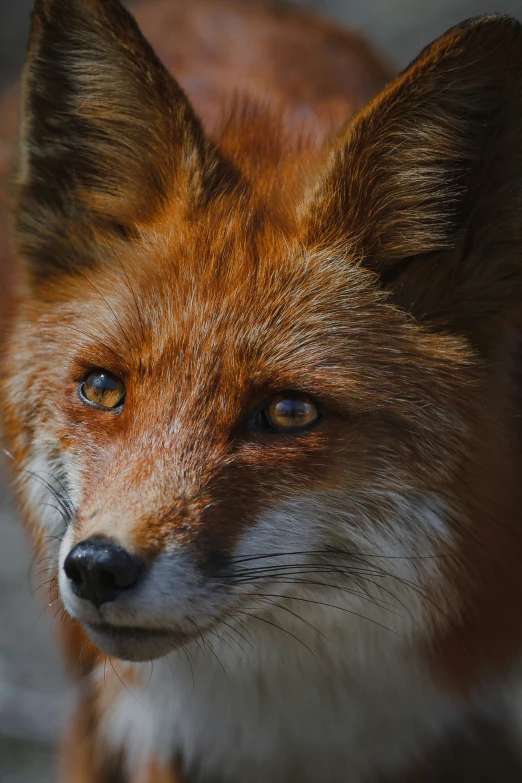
(400, 27)
(33, 687)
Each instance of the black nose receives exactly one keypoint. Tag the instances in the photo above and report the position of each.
(99, 570)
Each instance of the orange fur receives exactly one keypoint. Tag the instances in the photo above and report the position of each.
(210, 262)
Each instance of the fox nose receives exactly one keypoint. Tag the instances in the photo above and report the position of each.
(99, 570)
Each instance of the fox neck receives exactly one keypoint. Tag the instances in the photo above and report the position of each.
(238, 713)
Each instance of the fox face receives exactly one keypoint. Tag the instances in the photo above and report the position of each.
(266, 382)
(217, 450)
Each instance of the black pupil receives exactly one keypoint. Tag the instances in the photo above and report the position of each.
(293, 409)
(103, 385)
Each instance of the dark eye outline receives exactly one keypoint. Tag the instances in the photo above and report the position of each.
(101, 371)
(258, 418)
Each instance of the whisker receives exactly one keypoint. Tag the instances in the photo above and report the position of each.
(209, 647)
(220, 621)
(96, 339)
(124, 685)
(274, 625)
(372, 571)
(56, 538)
(198, 629)
(235, 630)
(376, 601)
(286, 609)
(215, 632)
(64, 489)
(62, 501)
(333, 606)
(337, 552)
(105, 675)
(183, 648)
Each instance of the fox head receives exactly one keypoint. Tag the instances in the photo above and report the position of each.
(262, 382)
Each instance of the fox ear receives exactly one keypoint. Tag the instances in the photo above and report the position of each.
(426, 183)
(106, 133)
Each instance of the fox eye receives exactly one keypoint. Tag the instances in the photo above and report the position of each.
(288, 411)
(102, 389)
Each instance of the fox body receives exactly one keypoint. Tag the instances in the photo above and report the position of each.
(261, 385)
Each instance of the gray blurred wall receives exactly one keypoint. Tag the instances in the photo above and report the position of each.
(401, 27)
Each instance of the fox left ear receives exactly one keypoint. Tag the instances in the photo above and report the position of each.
(107, 135)
(426, 183)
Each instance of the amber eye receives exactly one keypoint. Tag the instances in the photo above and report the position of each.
(103, 389)
(288, 411)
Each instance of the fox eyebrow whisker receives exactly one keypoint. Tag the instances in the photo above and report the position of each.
(129, 286)
(96, 340)
(116, 320)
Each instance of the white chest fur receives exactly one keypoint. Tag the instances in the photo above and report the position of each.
(278, 711)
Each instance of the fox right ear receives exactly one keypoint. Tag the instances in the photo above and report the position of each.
(106, 134)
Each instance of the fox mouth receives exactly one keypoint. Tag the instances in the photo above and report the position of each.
(135, 643)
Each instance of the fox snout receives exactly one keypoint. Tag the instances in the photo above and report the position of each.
(99, 570)
(134, 606)
(104, 586)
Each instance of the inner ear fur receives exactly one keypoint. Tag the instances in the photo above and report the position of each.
(106, 133)
(426, 183)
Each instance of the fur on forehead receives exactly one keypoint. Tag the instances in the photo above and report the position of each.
(179, 290)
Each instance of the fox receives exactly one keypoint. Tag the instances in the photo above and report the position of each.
(261, 384)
